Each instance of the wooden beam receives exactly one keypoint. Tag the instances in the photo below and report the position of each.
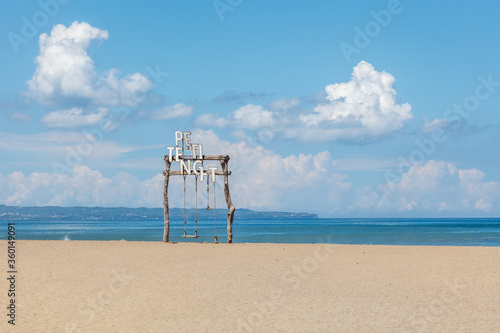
(224, 160)
(166, 228)
(178, 173)
(230, 215)
(204, 158)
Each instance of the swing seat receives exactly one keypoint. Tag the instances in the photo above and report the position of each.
(191, 236)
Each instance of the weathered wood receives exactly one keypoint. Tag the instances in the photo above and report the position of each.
(224, 160)
(224, 163)
(179, 173)
(204, 158)
(166, 228)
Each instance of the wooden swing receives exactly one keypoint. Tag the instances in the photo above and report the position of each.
(223, 159)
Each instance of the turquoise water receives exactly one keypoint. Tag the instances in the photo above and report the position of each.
(463, 232)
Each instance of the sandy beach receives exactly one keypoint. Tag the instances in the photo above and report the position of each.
(94, 286)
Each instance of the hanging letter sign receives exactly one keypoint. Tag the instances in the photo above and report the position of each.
(190, 156)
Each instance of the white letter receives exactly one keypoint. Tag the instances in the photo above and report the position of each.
(197, 172)
(170, 149)
(200, 147)
(187, 139)
(183, 166)
(178, 137)
(178, 153)
(213, 173)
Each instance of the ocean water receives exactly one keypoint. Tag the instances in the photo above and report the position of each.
(460, 232)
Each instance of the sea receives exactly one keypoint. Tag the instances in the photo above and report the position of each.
(379, 231)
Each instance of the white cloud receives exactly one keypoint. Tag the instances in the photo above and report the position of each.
(440, 186)
(84, 186)
(430, 126)
(212, 120)
(453, 128)
(73, 118)
(262, 179)
(66, 75)
(178, 110)
(18, 116)
(252, 117)
(362, 110)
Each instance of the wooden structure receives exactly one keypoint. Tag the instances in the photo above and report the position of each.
(224, 160)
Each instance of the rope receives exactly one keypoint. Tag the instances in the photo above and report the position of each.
(184, 176)
(196, 207)
(215, 218)
(208, 195)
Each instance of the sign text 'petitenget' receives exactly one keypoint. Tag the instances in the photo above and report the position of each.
(193, 163)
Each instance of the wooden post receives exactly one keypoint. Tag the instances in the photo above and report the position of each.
(224, 160)
(166, 228)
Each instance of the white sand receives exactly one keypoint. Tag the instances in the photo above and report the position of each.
(75, 286)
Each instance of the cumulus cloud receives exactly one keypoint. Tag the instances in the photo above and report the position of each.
(65, 73)
(73, 118)
(262, 179)
(252, 117)
(440, 186)
(84, 186)
(363, 110)
(178, 110)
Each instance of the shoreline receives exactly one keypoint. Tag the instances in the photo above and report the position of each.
(248, 243)
(127, 286)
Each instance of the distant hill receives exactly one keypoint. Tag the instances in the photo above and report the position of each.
(49, 213)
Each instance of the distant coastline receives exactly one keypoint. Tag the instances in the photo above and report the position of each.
(54, 213)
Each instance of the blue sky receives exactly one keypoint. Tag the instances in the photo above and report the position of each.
(358, 108)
